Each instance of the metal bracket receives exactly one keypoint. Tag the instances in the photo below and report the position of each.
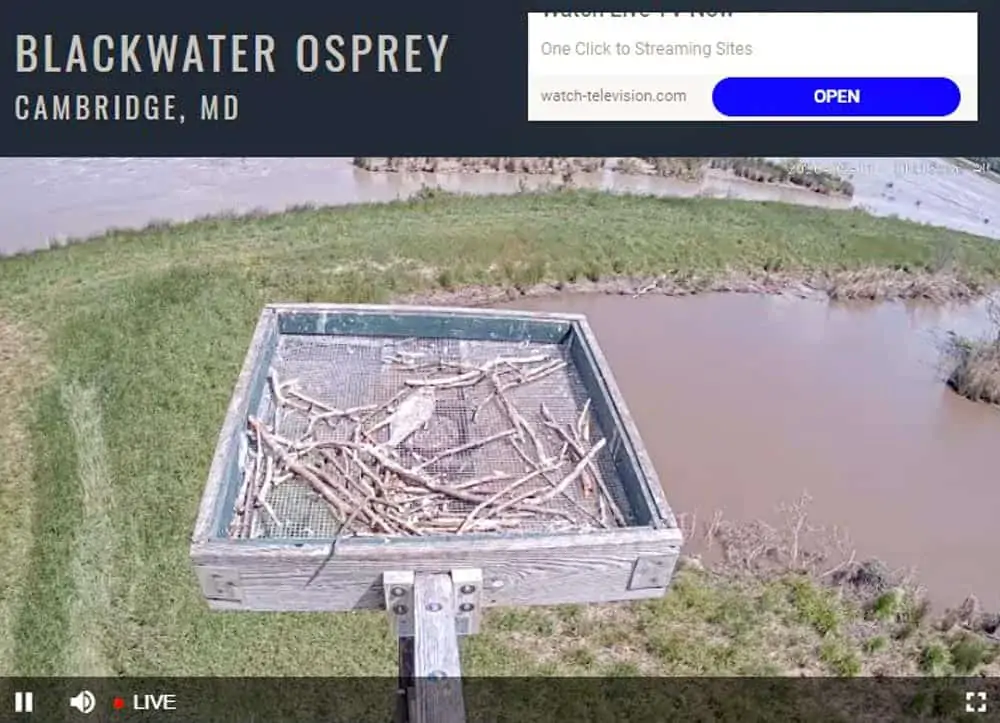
(398, 587)
(467, 586)
(220, 583)
(652, 571)
(468, 591)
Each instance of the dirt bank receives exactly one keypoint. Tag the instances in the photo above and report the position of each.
(862, 285)
(692, 169)
(757, 170)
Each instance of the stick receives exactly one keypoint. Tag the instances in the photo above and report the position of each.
(645, 289)
(278, 417)
(513, 360)
(392, 515)
(384, 406)
(464, 448)
(578, 450)
(577, 471)
(270, 512)
(531, 463)
(370, 491)
(493, 498)
(272, 380)
(552, 468)
(246, 526)
(265, 488)
(473, 375)
(462, 380)
(480, 481)
(323, 487)
(587, 478)
(582, 426)
(355, 513)
(536, 374)
(379, 484)
(313, 403)
(479, 407)
(236, 526)
(336, 414)
(449, 523)
(602, 510)
(248, 472)
(516, 504)
(405, 473)
(841, 566)
(360, 482)
(518, 420)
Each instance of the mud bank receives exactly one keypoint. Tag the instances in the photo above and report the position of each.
(870, 285)
(690, 169)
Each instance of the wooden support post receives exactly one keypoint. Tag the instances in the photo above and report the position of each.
(428, 612)
(437, 668)
(430, 670)
(404, 691)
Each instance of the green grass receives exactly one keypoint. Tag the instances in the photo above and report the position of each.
(119, 357)
(887, 605)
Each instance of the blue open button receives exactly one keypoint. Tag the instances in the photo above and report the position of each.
(836, 97)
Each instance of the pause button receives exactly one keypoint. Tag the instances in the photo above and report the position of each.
(24, 702)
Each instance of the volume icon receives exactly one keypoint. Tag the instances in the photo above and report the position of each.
(24, 702)
(83, 701)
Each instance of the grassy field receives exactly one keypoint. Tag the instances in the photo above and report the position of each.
(118, 356)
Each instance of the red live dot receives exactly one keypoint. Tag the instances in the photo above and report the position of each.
(119, 703)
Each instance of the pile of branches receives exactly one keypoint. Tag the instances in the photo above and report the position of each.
(373, 489)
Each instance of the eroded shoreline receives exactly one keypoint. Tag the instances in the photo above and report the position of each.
(761, 171)
(869, 285)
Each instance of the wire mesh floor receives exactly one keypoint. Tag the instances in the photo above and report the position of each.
(469, 459)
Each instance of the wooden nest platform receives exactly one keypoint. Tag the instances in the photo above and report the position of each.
(372, 431)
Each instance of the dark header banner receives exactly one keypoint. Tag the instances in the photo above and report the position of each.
(503, 700)
(399, 78)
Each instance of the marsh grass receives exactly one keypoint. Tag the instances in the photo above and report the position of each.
(976, 371)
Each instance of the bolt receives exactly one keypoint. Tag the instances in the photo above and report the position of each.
(437, 675)
(466, 607)
(434, 607)
(399, 609)
(398, 591)
(467, 589)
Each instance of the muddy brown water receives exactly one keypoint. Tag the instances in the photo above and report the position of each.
(745, 402)
(44, 199)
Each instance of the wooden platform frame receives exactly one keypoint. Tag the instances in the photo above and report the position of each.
(622, 564)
